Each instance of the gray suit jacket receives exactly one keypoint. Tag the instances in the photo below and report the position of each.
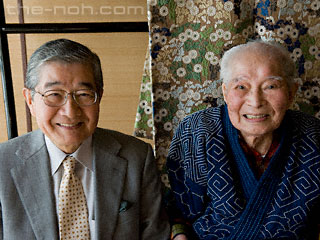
(127, 189)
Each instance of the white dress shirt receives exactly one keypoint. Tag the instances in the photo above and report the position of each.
(84, 171)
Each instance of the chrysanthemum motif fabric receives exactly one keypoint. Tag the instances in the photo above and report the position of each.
(187, 41)
(73, 212)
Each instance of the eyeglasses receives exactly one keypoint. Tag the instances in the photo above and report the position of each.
(57, 98)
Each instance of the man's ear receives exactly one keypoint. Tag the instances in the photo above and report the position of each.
(28, 98)
(292, 92)
(100, 95)
(224, 92)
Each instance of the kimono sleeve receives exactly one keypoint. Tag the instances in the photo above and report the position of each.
(187, 167)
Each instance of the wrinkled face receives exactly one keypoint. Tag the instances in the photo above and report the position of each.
(69, 125)
(257, 94)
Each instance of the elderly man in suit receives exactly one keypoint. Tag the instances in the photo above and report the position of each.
(70, 179)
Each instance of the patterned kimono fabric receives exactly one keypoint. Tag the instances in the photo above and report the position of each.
(218, 193)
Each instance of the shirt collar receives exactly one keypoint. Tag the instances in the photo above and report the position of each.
(83, 154)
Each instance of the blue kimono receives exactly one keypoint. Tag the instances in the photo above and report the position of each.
(217, 192)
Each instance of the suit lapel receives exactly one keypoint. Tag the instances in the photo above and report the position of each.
(110, 172)
(32, 179)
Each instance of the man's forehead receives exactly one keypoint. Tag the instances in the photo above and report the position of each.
(266, 78)
(253, 62)
(50, 75)
(52, 84)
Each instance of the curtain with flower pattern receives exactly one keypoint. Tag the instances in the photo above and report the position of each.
(187, 41)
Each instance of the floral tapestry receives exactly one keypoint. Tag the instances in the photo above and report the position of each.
(187, 41)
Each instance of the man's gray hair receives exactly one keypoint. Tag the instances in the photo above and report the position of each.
(271, 49)
(64, 51)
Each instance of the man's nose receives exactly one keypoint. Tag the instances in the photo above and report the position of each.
(255, 98)
(71, 108)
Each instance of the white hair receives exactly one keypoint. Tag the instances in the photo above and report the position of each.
(271, 49)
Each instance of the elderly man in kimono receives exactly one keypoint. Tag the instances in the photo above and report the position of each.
(249, 169)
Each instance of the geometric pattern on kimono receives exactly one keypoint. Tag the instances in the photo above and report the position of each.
(217, 192)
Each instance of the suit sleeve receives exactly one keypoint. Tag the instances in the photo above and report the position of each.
(1, 227)
(154, 220)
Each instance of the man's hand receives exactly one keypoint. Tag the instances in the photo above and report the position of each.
(181, 237)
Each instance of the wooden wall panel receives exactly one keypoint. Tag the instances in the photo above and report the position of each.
(39, 11)
(122, 56)
(18, 80)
